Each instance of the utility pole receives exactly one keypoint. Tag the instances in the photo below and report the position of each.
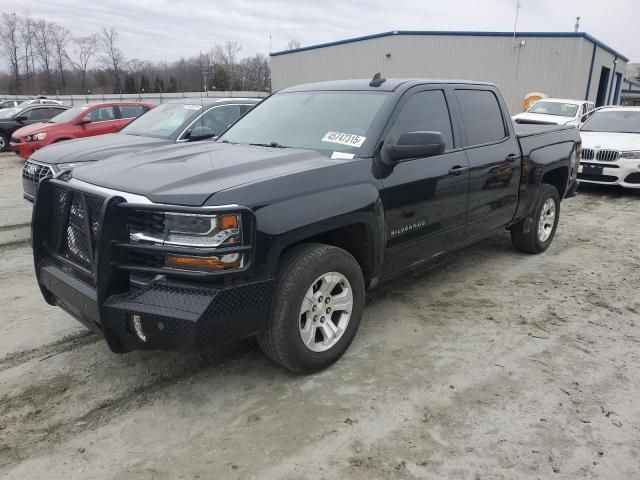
(577, 24)
(515, 24)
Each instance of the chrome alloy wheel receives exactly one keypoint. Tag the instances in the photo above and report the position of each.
(325, 311)
(547, 220)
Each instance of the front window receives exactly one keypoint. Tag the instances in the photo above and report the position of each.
(554, 108)
(164, 121)
(69, 115)
(619, 121)
(10, 112)
(323, 121)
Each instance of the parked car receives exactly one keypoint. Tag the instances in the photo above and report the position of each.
(9, 103)
(42, 101)
(11, 119)
(77, 122)
(186, 120)
(276, 228)
(611, 141)
(557, 111)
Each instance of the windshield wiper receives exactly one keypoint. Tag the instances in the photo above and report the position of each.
(271, 144)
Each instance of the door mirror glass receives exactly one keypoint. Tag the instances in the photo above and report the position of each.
(201, 133)
(414, 145)
(84, 121)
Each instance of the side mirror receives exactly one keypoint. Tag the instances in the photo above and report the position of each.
(21, 118)
(584, 118)
(414, 145)
(84, 121)
(201, 133)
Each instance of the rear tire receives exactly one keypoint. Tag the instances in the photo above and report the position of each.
(306, 341)
(4, 143)
(535, 233)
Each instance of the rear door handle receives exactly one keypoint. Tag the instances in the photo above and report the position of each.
(512, 158)
(458, 170)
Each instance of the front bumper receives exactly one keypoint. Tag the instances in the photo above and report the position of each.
(174, 310)
(623, 172)
(24, 149)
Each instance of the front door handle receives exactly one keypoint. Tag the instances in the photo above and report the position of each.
(512, 158)
(458, 170)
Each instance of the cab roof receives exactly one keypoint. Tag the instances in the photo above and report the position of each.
(389, 85)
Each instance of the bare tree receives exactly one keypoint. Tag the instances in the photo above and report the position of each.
(112, 58)
(28, 57)
(293, 44)
(10, 44)
(44, 48)
(60, 37)
(85, 49)
(227, 55)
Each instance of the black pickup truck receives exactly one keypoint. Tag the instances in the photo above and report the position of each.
(276, 229)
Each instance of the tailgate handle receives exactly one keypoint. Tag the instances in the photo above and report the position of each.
(458, 170)
(512, 158)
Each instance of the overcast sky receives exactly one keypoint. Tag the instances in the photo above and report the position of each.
(168, 29)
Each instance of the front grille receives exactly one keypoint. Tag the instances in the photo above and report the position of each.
(146, 221)
(75, 225)
(32, 174)
(597, 178)
(15, 140)
(601, 155)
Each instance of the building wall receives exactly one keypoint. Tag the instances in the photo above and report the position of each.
(556, 66)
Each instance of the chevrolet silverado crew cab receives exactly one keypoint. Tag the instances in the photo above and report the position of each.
(277, 228)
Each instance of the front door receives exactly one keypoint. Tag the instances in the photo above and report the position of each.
(424, 199)
(103, 120)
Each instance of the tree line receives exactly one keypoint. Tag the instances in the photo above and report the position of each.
(45, 58)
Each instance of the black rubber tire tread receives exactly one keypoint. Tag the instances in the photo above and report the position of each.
(529, 242)
(300, 266)
(6, 143)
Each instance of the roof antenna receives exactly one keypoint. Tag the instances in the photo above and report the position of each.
(377, 80)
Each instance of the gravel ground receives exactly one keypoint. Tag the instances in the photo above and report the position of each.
(488, 364)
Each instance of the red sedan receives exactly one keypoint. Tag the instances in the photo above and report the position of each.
(77, 122)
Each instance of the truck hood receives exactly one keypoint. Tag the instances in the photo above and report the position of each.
(188, 174)
(542, 118)
(34, 128)
(90, 149)
(611, 141)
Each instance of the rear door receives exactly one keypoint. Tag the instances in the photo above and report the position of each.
(493, 153)
(103, 120)
(425, 199)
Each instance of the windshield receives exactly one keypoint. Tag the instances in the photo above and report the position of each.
(323, 121)
(620, 121)
(554, 108)
(68, 115)
(10, 112)
(164, 121)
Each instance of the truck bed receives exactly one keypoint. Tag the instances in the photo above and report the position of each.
(530, 130)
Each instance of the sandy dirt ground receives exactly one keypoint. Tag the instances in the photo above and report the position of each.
(488, 364)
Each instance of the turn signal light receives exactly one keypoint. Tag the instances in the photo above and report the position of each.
(207, 264)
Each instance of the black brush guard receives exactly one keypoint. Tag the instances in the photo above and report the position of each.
(90, 279)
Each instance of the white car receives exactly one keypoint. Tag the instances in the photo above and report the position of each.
(611, 147)
(556, 111)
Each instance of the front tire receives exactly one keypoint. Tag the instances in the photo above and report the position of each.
(4, 143)
(317, 307)
(535, 233)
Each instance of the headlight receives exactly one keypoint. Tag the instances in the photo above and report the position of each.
(36, 137)
(634, 155)
(70, 165)
(193, 230)
(196, 231)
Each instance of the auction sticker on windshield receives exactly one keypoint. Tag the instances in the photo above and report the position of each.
(344, 139)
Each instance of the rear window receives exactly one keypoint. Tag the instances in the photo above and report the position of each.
(482, 116)
(131, 111)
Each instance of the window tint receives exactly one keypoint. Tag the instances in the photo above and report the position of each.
(481, 115)
(131, 111)
(219, 118)
(424, 112)
(102, 114)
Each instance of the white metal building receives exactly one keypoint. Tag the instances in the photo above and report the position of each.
(565, 65)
